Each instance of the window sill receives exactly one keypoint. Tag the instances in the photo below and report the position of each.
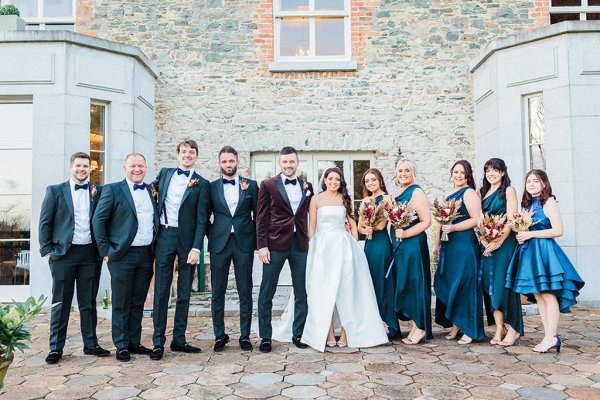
(306, 66)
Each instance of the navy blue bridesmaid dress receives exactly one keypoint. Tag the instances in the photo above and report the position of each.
(412, 299)
(495, 295)
(458, 295)
(541, 266)
(379, 254)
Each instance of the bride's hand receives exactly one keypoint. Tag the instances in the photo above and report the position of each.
(348, 227)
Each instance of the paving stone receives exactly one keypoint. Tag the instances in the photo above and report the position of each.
(435, 379)
(196, 391)
(223, 369)
(490, 392)
(90, 380)
(46, 381)
(101, 370)
(304, 379)
(390, 379)
(553, 368)
(303, 392)
(175, 380)
(541, 393)
(427, 367)
(22, 393)
(304, 368)
(349, 392)
(397, 392)
(385, 367)
(208, 378)
(71, 393)
(569, 380)
(510, 386)
(248, 391)
(347, 379)
(262, 379)
(584, 393)
(345, 367)
(480, 379)
(116, 393)
(468, 368)
(163, 392)
(445, 393)
(131, 380)
(591, 368)
(182, 369)
(263, 367)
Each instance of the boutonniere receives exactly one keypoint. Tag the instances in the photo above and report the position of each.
(154, 192)
(243, 185)
(193, 182)
(305, 189)
(93, 192)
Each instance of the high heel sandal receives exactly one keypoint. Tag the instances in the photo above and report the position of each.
(341, 343)
(556, 345)
(331, 343)
(504, 343)
(464, 341)
(450, 336)
(413, 341)
(502, 334)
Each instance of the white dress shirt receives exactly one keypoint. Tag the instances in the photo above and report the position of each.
(81, 214)
(177, 187)
(145, 216)
(232, 195)
(294, 193)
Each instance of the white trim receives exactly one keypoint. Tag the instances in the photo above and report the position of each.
(312, 65)
(582, 10)
(42, 21)
(105, 136)
(526, 126)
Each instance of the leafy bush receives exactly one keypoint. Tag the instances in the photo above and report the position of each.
(9, 9)
(13, 331)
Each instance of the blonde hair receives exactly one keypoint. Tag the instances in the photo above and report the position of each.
(411, 167)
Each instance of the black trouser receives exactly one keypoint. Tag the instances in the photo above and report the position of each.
(167, 247)
(268, 287)
(219, 276)
(82, 266)
(130, 278)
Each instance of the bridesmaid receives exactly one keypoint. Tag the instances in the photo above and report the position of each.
(411, 259)
(379, 251)
(501, 304)
(539, 266)
(458, 298)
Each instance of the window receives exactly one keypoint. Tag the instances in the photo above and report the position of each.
(47, 14)
(312, 34)
(574, 10)
(16, 137)
(97, 142)
(536, 131)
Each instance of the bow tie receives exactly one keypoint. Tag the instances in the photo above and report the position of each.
(85, 186)
(291, 181)
(226, 181)
(180, 171)
(141, 186)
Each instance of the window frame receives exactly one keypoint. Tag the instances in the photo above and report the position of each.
(582, 10)
(312, 15)
(527, 136)
(105, 105)
(41, 22)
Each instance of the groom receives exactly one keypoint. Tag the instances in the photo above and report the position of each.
(282, 234)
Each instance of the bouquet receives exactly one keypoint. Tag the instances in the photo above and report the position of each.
(370, 214)
(399, 215)
(445, 212)
(490, 227)
(522, 222)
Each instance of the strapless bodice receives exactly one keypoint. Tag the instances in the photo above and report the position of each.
(331, 218)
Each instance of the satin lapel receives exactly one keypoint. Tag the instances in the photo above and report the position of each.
(240, 198)
(91, 200)
(154, 206)
(128, 196)
(188, 189)
(283, 193)
(66, 189)
(303, 193)
(168, 177)
(221, 192)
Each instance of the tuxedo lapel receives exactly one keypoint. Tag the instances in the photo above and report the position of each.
(282, 191)
(303, 193)
(188, 189)
(221, 192)
(128, 196)
(66, 190)
(92, 200)
(240, 197)
(165, 184)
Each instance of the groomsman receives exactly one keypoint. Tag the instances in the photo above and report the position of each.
(232, 238)
(282, 234)
(66, 241)
(125, 226)
(183, 198)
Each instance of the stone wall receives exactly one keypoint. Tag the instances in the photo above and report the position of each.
(411, 93)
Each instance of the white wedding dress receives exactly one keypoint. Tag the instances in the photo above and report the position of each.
(337, 278)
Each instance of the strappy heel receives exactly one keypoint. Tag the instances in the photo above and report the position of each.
(556, 345)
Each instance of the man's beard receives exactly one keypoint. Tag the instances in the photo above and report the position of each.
(232, 172)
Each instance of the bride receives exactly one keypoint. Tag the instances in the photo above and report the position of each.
(338, 282)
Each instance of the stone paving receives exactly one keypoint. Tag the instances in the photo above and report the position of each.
(439, 369)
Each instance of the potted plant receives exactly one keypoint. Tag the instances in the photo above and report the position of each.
(13, 331)
(10, 19)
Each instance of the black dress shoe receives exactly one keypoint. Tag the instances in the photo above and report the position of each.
(96, 351)
(186, 348)
(265, 346)
(157, 353)
(221, 342)
(298, 343)
(54, 356)
(245, 343)
(139, 350)
(123, 355)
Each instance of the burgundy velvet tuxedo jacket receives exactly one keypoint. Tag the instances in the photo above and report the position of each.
(275, 218)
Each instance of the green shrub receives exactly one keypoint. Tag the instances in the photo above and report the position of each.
(9, 10)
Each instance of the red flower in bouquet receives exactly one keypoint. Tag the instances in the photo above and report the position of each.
(400, 215)
(490, 227)
(444, 212)
(370, 214)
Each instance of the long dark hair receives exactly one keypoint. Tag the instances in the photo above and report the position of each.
(379, 177)
(468, 172)
(546, 190)
(343, 189)
(499, 165)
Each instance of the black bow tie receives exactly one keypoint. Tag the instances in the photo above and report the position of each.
(291, 181)
(226, 181)
(180, 171)
(85, 186)
(141, 186)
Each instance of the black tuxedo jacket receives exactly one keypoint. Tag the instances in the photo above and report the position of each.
(57, 219)
(115, 220)
(242, 220)
(193, 211)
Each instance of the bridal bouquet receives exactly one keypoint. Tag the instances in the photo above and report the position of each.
(445, 212)
(490, 227)
(370, 214)
(399, 215)
(522, 222)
